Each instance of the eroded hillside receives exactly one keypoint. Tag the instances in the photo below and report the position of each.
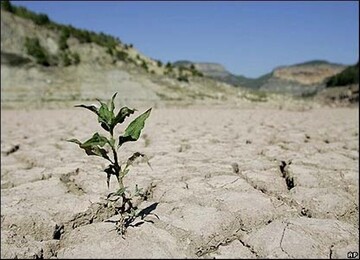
(98, 71)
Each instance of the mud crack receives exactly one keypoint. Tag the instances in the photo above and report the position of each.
(289, 179)
(70, 183)
(281, 240)
(217, 240)
(96, 213)
(284, 199)
(213, 246)
(12, 150)
(252, 250)
(331, 251)
(101, 211)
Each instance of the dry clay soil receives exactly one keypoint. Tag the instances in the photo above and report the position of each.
(223, 183)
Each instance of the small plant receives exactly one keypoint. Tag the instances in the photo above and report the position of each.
(65, 34)
(121, 55)
(168, 66)
(256, 96)
(41, 19)
(33, 48)
(110, 51)
(65, 59)
(183, 78)
(144, 66)
(7, 6)
(75, 57)
(96, 146)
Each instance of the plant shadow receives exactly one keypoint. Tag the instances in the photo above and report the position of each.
(143, 214)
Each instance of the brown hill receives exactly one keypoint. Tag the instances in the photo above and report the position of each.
(97, 73)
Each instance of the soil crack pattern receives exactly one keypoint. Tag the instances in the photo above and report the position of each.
(233, 232)
(252, 250)
(283, 198)
(70, 183)
(100, 211)
(278, 196)
(281, 240)
(12, 150)
(305, 208)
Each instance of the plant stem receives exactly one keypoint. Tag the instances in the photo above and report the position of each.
(116, 165)
(117, 169)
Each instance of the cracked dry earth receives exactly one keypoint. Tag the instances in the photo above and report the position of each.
(225, 183)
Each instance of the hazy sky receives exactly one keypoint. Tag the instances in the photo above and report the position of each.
(248, 38)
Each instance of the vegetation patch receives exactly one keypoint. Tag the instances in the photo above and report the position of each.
(84, 36)
(256, 96)
(348, 76)
(34, 49)
(99, 145)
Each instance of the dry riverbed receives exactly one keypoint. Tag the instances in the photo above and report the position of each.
(224, 183)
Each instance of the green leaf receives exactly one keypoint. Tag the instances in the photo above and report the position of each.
(95, 150)
(122, 114)
(92, 146)
(105, 116)
(74, 141)
(96, 139)
(112, 106)
(133, 131)
(91, 108)
(132, 158)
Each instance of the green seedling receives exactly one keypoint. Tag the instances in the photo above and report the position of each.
(98, 143)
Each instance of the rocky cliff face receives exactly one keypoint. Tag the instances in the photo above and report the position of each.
(301, 79)
(308, 73)
(212, 69)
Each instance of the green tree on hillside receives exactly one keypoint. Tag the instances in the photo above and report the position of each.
(6, 6)
(64, 35)
(76, 58)
(41, 19)
(33, 48)
(84, 36)
(347, 77)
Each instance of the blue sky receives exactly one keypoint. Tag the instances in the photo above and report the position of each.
(249, 38)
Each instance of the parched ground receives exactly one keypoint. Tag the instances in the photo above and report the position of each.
(224, 183)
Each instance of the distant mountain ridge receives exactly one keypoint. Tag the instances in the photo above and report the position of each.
(294, 79)
(219, 72)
